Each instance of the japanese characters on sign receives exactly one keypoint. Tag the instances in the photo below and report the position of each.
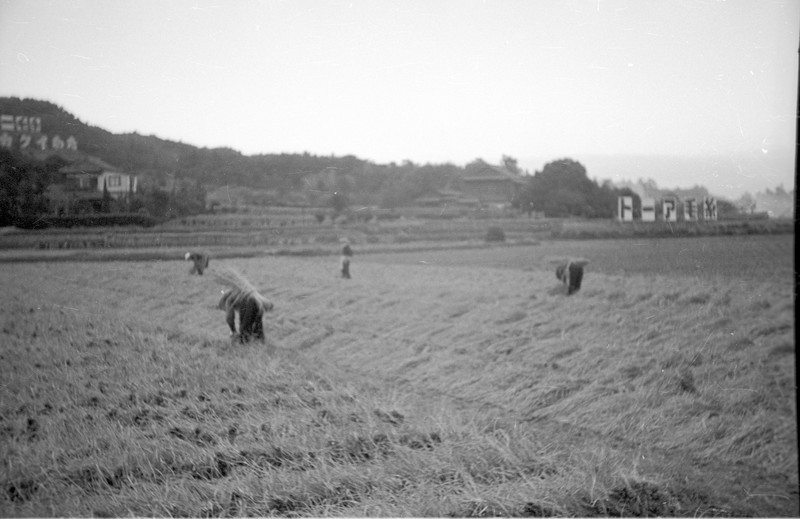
(690, 210)
(625, 208)
(25, 132)
(670, 210)
(669, 213)
(648, 210)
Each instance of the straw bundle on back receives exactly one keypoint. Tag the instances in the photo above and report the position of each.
(242, 288)
(570, 272)
(580, 262)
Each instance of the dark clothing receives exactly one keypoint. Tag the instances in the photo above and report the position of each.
(200, 262)
(251, 324)
(571, 275)
(345, 267)
(251, 314)
(347, 253)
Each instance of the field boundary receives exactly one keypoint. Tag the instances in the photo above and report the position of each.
(365, 235)
(176, 253)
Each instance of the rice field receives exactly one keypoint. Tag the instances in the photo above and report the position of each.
(761, 257)
(433, 383)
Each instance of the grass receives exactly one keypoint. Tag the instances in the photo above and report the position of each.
(421, 387)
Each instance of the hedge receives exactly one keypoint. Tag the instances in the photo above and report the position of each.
(85, 220)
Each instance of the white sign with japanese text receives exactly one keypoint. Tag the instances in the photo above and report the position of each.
(670, 206)
(690, 210)
(648, 210)
(625, 208)
(23, 132)
(709, 208)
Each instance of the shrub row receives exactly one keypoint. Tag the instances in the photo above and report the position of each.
(85, 220)
(495, 234)
(654, 230)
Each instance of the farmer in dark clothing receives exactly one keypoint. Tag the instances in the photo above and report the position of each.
(571, 274)
(251, 312)
(200, 262)
(347, 253)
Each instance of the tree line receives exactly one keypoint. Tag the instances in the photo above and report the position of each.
(23, 182)
(562, 188)
(23, 192)
(175, 176)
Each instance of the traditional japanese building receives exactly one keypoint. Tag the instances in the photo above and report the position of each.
(491, 184)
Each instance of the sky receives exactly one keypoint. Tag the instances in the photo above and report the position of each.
(609, 83)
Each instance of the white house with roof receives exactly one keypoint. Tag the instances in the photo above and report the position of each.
(82, 185)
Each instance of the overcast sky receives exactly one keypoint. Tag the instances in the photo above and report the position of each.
(428, 80)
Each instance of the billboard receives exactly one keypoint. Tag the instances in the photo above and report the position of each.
(670, 207)
(648, 210)
(690, 210)
(20, 123)
(625, 208)
(24, 132)
(709, 208)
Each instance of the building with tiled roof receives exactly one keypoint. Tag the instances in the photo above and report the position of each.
(491, 184)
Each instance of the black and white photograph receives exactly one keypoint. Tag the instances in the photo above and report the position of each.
(398, 258)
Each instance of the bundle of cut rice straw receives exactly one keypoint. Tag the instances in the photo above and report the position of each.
(242, 287)
(581, 262)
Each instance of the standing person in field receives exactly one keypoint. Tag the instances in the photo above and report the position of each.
(199, 260)
(347, 253)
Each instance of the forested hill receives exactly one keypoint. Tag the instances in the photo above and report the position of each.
(314, 179)
(156, 159)
(153, 156)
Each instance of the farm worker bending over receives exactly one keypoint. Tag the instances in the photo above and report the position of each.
(347, 253)
(571, 274)
(200, 262)
(251, 308)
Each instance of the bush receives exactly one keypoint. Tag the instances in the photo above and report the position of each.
(92, 220)
(495, 234)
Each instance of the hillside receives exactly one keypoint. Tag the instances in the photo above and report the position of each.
(301, 178)
(161, 161)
